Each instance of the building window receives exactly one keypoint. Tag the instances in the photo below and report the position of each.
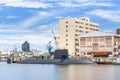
(76, 30)
(66, 30)
(82, 46)
(102, 39)
(108, 40)
(66, 44)
(91, 29)
(76, 39)
(76, 34)
(66, 35)
(76, 44)
(108, 46)
(76, 22)
(81, 22)
(96, 26)
(66, 21)
(86, 24)
(93, 25)
(90, 24)
(89, 47)
(66, 39)
(102, 46)
(95, 46)
(80, 27)
(76, 25)
(82, 41)
(89, 39)
(95, 39)
(80, 31)
(66, 26)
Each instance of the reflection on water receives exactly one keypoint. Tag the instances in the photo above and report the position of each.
(58, 72)
(90, 72)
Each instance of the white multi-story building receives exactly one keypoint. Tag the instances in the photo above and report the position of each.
(71, 28)
(97, 42)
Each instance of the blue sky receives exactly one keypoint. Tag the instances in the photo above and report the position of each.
(34, 20)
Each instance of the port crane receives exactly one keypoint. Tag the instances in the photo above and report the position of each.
(49, 45)
(55, 39)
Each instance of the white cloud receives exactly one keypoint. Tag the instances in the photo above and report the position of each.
(49, 4)
(8, 26)
(43, 13)
(14, 31)
(24, 24)
(39, 17)
(85, 3)
(112, 15)
(34, 19)
(29, 22)
(35, 40)
(97, 4)
(24, 3)
(12, 17)
(109, 31)
(59, 17)
(69, 4)
(11, 38)
(47, 29)
(43, 27)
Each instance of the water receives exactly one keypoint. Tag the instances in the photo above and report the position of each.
(58, 72)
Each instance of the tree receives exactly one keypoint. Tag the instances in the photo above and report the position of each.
(118, 31)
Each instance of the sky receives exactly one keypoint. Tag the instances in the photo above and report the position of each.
(34, 20)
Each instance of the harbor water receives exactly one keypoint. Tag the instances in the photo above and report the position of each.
(58, 72)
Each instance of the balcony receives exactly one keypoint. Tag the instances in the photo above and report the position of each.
(116, 46)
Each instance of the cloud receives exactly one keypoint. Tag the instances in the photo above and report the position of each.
(14, 31)
(85, 3)
(24, 3)
(7, 26)
(43, 27)
(112, 15)
(35, 19)
(54, 3)
(69, 4)
(59, 17)
(47, 29)
(12, 17)
(43, 13)
(35, 40)
(109, 31)
(29, 22)
(38, 17)
(41, 16)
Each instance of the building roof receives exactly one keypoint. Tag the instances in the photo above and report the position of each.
(98, 33)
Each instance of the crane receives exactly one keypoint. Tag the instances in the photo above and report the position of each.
(51, 46)
(55, 39)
